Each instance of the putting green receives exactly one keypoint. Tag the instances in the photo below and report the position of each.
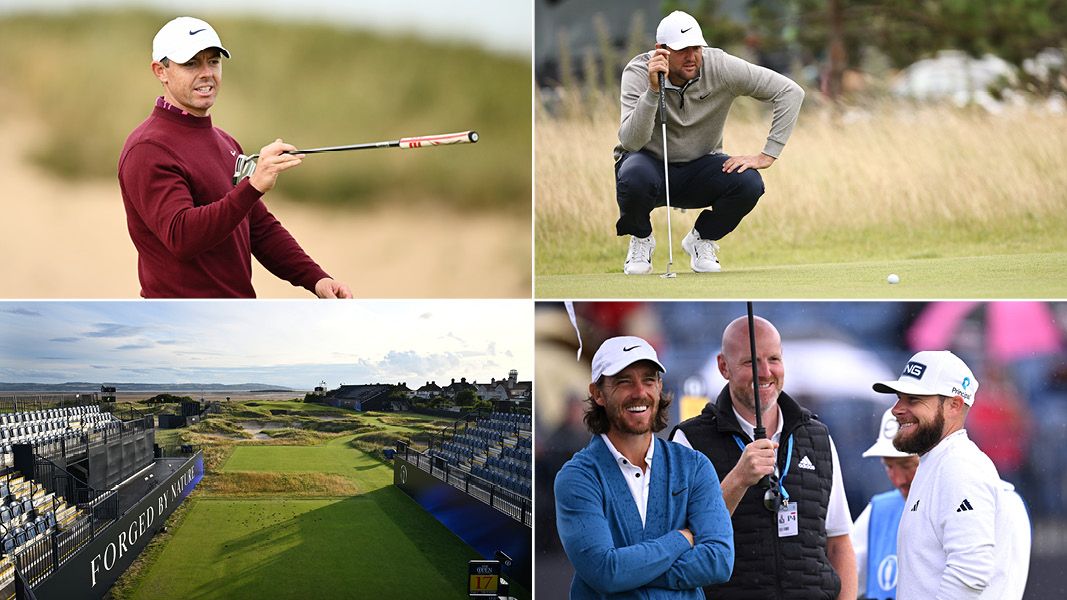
(1034, 275)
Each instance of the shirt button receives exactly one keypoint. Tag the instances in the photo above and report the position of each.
(637, 474)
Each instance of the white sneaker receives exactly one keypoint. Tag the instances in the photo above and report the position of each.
(702, 253)
(639, 258)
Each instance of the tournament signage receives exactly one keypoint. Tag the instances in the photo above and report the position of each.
(483, 578)
(100, 562)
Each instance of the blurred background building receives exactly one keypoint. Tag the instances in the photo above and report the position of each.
(833, 352)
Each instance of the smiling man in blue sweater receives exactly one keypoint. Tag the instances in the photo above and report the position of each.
(639, 517)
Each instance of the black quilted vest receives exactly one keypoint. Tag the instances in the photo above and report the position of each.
(765, 565)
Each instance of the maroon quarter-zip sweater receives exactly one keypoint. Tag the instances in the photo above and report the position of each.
(195, 233)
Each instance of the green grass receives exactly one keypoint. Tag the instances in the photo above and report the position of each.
(307, 520)
(333, 457)
(313, 85)
(1002, 276)
(377, 545)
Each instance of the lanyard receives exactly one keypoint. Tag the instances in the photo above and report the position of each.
(788, 459)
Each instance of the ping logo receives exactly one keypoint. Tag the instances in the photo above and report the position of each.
(914, 369)
(887, 573)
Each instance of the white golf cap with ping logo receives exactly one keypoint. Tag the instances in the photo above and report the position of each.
(883, 446)
(180, 40)
(679, 30)
(617, 353)
(933, 373)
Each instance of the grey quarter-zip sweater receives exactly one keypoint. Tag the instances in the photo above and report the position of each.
(696, 112)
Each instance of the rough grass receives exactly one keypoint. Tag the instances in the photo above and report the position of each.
(313, 85)
(278, 485)
(219, 426)
(895, 182)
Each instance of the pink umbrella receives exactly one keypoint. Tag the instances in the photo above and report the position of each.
(1013, 330)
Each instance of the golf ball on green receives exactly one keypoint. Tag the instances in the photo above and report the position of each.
(893, 278)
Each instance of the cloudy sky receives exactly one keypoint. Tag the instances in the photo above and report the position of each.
(505, 26)
(285, 343)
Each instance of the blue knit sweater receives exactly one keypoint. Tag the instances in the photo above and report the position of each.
(613, 555)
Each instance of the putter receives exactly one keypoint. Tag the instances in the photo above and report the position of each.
(246, 165)
(666, 178)
(772, 496)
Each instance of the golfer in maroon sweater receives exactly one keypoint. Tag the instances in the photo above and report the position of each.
(194, 231)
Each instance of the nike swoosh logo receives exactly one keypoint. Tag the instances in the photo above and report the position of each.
(679, 491)
(630, 348)
(199, 30)
(685, 30)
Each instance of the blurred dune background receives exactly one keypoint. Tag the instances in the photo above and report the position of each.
(441, 222)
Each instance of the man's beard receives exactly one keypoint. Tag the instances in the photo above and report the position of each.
(745, 396)
(619, 423)
(925, 436)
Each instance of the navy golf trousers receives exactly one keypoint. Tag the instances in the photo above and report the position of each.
(696, 184)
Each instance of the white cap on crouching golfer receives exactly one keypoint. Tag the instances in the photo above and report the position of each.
(883, 446)
(679, 30)
(180, 40)
(933, 372)
(617, 353)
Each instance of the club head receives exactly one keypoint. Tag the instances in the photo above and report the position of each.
(246, 165)
(669, 275)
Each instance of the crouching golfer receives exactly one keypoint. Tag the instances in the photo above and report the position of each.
(701, 84)
(639, 517)
(195, 233)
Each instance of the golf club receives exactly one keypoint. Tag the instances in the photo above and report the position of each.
(246, 165)
(772, 497)
(666, 179)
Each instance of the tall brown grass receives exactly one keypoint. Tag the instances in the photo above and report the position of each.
(243, 484)
(895, 174)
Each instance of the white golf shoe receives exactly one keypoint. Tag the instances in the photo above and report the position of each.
(702, 253)
(639, 258)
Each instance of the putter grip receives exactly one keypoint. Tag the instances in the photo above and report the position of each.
(463, 137)
(662, 101)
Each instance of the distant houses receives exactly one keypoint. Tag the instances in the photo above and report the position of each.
(502, 393)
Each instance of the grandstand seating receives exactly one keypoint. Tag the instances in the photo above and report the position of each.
(29, 513)
(48, 426)
(497, 449)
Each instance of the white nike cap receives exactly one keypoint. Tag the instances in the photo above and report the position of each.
(883, 446)
(679, 30)
(180, 40)
(617, 353)
(933, 372)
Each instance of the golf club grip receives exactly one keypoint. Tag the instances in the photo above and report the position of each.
(463, 137)
(662, 100)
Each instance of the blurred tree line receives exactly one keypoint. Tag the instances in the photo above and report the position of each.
(836, 33)
(820, 41)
